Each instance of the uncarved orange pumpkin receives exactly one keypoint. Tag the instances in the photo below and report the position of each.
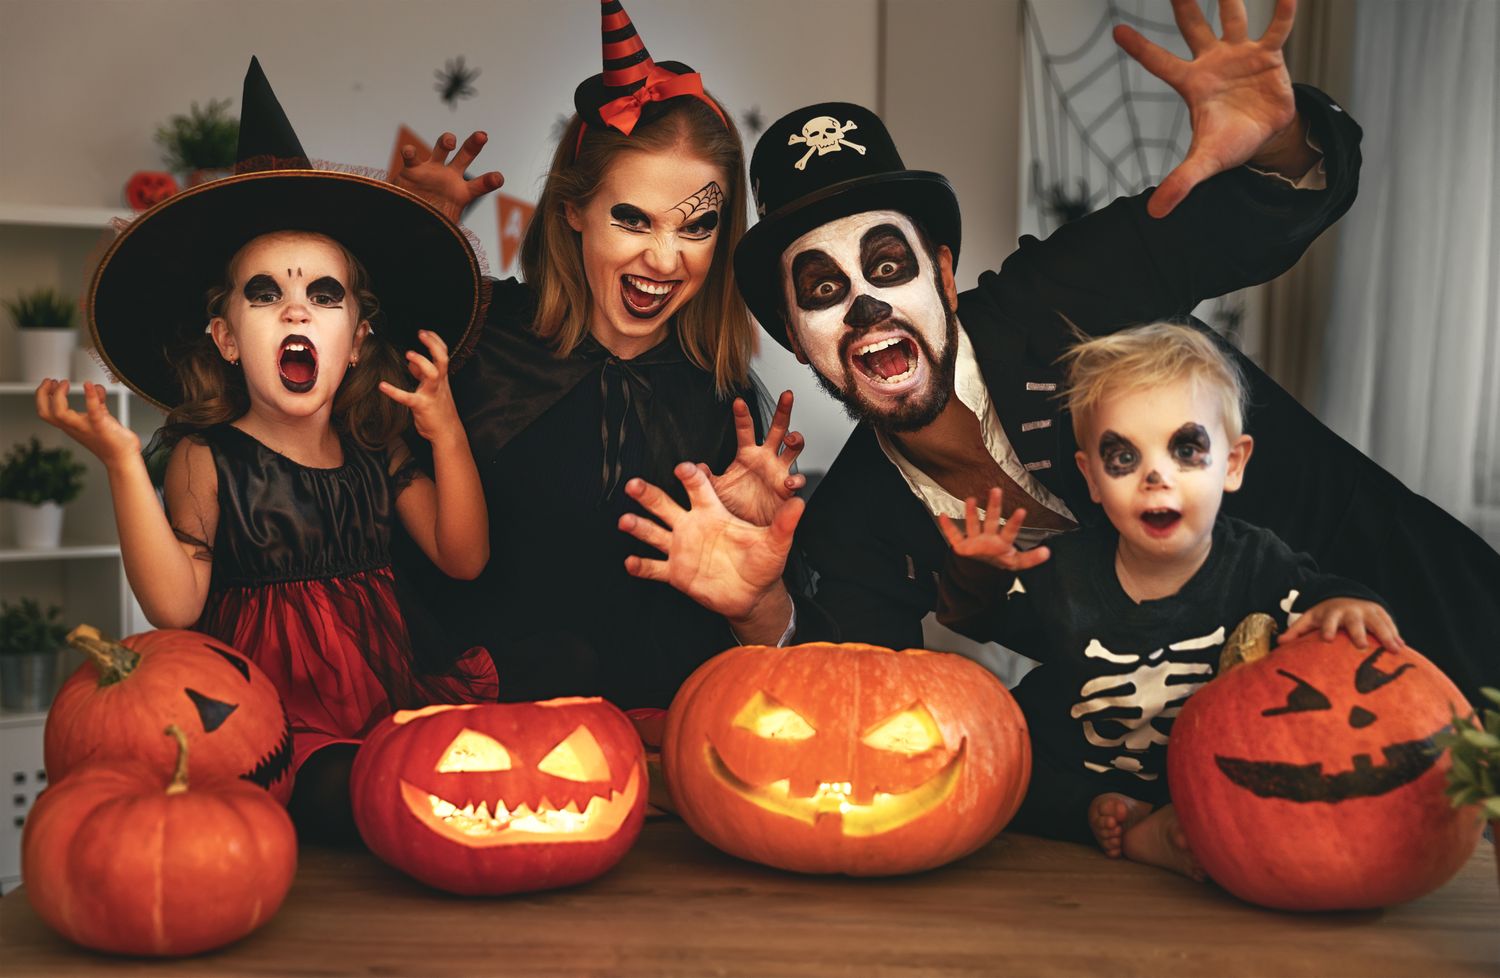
(114, 706)
(501, 797)
(845, 758)
(128, 858)
(1306, 778)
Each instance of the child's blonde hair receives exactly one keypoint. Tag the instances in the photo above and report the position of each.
(1150, 356)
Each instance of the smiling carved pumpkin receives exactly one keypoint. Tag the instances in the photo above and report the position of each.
(1306, 778)
(502, 797)
(849, 759)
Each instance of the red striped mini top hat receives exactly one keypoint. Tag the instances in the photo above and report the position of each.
(632, 86)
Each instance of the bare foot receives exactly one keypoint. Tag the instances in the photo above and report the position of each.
(1158, 840)
(1111, 815)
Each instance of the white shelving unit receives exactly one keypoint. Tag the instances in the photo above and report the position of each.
(54, 246)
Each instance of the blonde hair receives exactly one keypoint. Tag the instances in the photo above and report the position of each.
(713, 327)
(1151, 356)
(214, 392)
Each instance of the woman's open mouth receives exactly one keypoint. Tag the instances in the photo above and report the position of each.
(890, 363)
(1161, 522)
(644, 298)
(297, 362)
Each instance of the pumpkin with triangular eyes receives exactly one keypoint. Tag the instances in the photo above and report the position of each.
(115, 705)
(501, 797)
(1306, 778)
(852, 759)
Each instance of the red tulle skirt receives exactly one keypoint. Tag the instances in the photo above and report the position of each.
(338, 651)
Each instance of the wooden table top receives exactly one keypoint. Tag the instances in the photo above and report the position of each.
(675, 906)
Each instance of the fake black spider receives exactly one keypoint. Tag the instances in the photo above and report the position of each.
(752, 120)
(454, 81)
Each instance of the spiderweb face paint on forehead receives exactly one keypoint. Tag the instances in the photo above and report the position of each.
(707, 198)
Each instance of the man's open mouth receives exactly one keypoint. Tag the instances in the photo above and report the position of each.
(889, 362)
(645, 297)
(1160, 522)
(297, 362)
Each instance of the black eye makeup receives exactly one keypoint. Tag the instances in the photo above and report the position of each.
(261, 289)
(817, 281)
(702, 227)
(629, 218)
(885, 257)
(326, 291)
(1189, 447)
(1119, 455)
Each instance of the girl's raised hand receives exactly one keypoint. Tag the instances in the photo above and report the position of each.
(989, 541)
(431, 404)
(94, 427)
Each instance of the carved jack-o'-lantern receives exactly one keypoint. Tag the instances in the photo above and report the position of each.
(502, 797)
(115, 705)
(1306, 778)
(845, 758)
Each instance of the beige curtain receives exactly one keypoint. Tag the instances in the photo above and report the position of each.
(1320, 53)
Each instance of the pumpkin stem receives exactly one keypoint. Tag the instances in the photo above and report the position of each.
(1249, 642)
(114, 660)
(179, 777)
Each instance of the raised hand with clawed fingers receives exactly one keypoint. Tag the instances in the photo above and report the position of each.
(728, 565)
(759, 480)
(433, 412)
(441, 181)
(1238, 94)
(94, 427)
(992, 540)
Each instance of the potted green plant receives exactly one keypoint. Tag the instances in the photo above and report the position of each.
(201, 144)
(44, 318)
(29, 642)
(1473, 745)
(39, 481)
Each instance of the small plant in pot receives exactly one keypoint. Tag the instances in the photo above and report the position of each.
(44, 318)
(201, 144)
(29, 642)
(1473, 745)
(40, 480)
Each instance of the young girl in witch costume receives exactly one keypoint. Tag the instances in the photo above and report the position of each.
(282, 482)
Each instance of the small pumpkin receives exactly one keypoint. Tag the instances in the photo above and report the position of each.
(849, 759)
(119, 857)
(501, 797)
(1307, 779)
(113, 706)
(147, 188)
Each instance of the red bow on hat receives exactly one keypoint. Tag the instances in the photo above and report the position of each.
(624, 112)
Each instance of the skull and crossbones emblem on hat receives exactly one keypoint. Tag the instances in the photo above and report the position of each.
(823, 135)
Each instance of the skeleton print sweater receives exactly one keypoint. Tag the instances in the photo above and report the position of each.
(1115, 673)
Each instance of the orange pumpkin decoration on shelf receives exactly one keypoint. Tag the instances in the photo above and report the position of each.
(501, 797)
(118, 857)
(849, 759)
(113, 707)
(147, 188)
(1306, 778)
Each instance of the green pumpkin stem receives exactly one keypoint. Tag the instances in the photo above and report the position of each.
(179, 777)
(1249, 642)
(114, 660)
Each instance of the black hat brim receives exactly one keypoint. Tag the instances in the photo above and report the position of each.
(926, 197)
(149, 294)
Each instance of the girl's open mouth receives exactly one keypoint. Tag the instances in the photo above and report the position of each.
(889, 363)
(1161, 522)
(644, 297)
(297, 362)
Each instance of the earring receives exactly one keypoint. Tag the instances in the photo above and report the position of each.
(234, 361)
(354, 361)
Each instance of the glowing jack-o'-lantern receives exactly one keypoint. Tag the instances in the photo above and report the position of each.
(845, 758)
(502, 797)
(114, 706)
(1306, 778)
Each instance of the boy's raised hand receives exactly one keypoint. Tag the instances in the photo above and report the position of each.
(1356, 616)
(991, 542)
(440, 180)
(432, 409)
(94, 427)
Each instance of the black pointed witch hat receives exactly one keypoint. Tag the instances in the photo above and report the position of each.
(149, 294)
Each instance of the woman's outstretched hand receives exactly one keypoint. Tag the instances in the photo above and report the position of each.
(759, 480)
(440, 180)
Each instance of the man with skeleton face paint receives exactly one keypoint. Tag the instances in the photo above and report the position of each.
(958, 395)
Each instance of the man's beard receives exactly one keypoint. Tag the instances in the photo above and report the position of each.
(915, 410)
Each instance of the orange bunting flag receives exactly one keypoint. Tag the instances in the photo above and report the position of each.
(514, 214)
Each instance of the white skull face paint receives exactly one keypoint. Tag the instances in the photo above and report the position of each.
(866, 307)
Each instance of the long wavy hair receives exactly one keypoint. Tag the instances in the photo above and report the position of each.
(214, 391)
(713, 327)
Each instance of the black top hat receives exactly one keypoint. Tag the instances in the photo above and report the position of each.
(632, 85)
(816, 165)
(149, 294)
